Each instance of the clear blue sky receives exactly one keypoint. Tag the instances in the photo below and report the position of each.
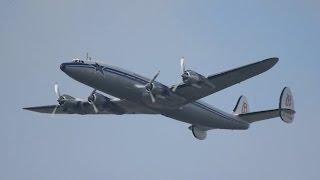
(146, 36)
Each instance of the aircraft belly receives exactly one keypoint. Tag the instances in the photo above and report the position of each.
(196, 115)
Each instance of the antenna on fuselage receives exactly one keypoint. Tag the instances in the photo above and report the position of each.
(88, 58)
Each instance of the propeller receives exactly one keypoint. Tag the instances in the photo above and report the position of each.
(61, 99)
(149, 87)
(192, 77)
(91, 101)
(184, 73)
(57, 92)
(182, 65)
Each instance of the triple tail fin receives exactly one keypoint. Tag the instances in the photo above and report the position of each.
(285, 111)
(286, 105)
(242, 106)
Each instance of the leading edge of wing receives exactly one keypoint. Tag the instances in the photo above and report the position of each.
(260, 67)
(225, 79)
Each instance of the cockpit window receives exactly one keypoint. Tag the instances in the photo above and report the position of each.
(78, 61)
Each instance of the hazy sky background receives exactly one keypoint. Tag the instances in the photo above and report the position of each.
(146, 36)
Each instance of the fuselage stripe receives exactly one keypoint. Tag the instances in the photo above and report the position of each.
(114, 71)
(200, 105)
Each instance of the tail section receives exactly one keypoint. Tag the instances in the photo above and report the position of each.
(242, 106)
(285, 111)
(286, 105)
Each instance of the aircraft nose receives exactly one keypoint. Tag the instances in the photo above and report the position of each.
(63, 66)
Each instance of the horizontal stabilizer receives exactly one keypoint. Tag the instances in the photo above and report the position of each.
(263, 115)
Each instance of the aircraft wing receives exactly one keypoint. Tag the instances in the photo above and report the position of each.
(45, 109)
(224, 80)
(120, 107)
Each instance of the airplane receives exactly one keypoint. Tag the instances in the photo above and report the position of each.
(134, 94)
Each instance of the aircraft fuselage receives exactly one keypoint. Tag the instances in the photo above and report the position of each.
(123, 84)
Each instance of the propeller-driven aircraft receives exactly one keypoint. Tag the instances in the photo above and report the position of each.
(135, 94)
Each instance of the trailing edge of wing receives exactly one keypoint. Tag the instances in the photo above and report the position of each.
(225, 79)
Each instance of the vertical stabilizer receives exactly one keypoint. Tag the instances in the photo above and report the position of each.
(286, 105)
(242, 106)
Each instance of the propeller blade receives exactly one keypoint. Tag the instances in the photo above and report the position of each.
(149, 87)
(54, 110)
(91, 101)
(154, 78)
(182, 65)
(94, 108)
(56, 90)
(152, 97)
(175, 88)
(94, 91)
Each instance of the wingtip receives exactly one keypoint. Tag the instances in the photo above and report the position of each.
(27, 108)
(270, 62)
(274, 60)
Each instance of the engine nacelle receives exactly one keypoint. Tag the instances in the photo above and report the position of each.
(104, 103)
(191, 77)
(98, 99)
(72, 106)
(156, 88)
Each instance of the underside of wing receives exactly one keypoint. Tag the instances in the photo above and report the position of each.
(119, 107)
(193, 92)
(45, 109)
(58, 109)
